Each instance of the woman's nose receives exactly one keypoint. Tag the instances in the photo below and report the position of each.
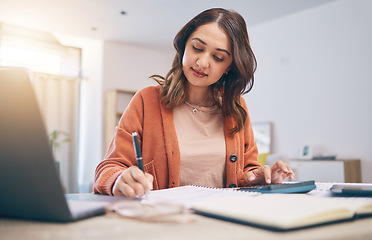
(203, 62)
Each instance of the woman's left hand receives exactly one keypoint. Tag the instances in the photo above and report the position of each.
(279, 172)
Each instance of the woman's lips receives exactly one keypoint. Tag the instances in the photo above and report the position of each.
(198, 73)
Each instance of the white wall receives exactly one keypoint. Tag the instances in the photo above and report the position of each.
(314, 81)
(128, 67)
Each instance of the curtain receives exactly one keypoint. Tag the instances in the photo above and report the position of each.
(58, 98)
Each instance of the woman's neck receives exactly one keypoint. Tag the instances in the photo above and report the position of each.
(199, 96)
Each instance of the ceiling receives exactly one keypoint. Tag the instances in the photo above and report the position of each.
(146, 22)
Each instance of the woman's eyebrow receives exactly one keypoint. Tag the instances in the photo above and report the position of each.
(218, 49)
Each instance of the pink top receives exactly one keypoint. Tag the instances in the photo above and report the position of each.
(202, 145)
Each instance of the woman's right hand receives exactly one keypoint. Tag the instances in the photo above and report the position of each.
(133, 182)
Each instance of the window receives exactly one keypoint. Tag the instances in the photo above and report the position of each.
(37, 51)
(54, 71)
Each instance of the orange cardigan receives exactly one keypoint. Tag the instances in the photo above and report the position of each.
(158, 139)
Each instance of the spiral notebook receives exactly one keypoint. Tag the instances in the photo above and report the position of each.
(188, 195)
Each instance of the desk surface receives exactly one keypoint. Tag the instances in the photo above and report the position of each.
(111, 226)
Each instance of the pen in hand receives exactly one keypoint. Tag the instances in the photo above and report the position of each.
(137, 151)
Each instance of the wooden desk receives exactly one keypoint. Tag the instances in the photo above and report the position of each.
(111, 226)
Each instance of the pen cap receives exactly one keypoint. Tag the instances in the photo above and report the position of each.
(136, 145)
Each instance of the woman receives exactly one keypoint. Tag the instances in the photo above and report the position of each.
(194, 127)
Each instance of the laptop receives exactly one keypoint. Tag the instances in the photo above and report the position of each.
(30, 187)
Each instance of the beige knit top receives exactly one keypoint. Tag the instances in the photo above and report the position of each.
(202, 145)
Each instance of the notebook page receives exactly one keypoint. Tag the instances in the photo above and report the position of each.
(188, 195)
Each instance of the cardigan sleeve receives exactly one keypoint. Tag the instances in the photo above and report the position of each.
(250, 148)
(120, 154)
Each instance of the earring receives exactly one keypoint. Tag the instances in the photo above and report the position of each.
(227, 72)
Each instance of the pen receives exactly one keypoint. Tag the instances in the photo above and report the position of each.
(137, 151)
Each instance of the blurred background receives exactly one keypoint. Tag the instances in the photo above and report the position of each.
(88, 57)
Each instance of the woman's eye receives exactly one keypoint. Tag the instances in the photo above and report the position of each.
(218, 59)
(197, 49)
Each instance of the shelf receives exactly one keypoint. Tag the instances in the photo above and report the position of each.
(116, 103)
(325, 170)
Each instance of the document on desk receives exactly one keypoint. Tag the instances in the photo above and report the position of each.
(188, 195)
(284, 212)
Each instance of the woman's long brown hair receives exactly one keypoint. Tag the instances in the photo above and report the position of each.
(230, 87)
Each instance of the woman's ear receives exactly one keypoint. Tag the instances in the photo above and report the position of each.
(227, 70)
(229, 67)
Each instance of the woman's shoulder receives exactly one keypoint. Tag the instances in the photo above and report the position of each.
(149, 91)
(243, 102)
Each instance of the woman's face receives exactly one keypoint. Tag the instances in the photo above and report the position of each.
(207, 55)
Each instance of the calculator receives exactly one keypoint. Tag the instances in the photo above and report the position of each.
(287, 187)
